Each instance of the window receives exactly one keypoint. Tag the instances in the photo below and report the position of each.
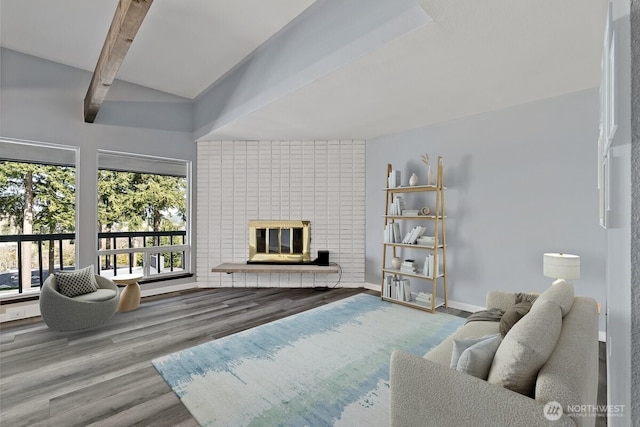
(37, 213)
(143, 211)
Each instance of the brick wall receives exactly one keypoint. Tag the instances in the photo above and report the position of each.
(319, 181)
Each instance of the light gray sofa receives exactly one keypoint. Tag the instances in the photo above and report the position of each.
(425, 391)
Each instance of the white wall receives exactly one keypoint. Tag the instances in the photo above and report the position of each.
(520, 182)
(43, 101)
(620, 244)
(320, 181)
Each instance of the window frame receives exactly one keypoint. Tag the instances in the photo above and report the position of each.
(34, 155)
(148, 251)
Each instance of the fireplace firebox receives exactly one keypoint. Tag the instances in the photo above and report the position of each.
(279, 241)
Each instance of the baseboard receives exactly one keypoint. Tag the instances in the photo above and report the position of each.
(20, 311)
(465, 307)
(372, 287)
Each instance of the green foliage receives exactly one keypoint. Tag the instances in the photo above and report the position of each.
(131, 200)
(126, 200)
(156, 196)
(53, 190)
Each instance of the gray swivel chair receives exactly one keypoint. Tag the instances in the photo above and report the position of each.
(62, 313)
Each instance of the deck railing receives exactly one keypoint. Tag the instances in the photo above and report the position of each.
(158, 258)
(13, 278)
(151, 253)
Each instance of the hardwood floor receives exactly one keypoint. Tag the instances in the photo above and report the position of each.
(104, 376)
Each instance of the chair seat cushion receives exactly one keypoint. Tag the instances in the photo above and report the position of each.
(96, 296)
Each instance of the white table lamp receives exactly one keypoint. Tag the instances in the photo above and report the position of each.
(561, 266)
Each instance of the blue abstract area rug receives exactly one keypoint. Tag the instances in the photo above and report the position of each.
(328, 366)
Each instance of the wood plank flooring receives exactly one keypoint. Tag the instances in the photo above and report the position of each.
(104, 376)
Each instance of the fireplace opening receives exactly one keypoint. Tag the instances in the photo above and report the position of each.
(279, 241)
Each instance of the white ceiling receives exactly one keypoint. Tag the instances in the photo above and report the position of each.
(476, 56)
(181, 48)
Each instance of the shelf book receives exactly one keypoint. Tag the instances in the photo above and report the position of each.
(418, 240)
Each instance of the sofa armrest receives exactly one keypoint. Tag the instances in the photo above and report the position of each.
(500, 299)
(424, 393)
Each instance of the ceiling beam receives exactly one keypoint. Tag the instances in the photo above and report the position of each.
(126, 22)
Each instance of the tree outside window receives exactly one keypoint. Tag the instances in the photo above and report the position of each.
(35, 199)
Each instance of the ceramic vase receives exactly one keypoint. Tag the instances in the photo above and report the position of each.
(396, 262)
(413, 181)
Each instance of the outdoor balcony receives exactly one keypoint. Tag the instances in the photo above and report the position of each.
(118, 253)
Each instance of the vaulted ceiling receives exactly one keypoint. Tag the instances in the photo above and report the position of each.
(466, 58)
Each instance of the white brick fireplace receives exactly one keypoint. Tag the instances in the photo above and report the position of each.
(319, 181)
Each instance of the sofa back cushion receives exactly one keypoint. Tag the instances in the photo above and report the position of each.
(526, 348)
(561, 294)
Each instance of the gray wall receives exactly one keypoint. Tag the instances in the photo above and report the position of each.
(520, 182)
(43, 101)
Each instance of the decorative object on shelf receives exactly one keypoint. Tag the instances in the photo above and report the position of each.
(424, 297)
(426, 241)
(425, 211)
(425, 159)
(396, 263)
(561, 266)
(394, 179)
(408, 266)
(414, 180)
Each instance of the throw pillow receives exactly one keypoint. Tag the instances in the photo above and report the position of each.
(520, 297)
(77, 282)
(459, 346)
(512, 315)
(526, 348)
(476, 360)
(561, 294)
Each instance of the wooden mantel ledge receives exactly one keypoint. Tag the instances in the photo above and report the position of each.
(229, 267)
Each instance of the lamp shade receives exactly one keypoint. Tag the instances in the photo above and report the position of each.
(561, 266)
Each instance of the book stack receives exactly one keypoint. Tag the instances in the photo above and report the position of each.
(397, 206)
(408, 266)
(430, 270)
(392, 233)
(412, 236)
(396, 288)
(410, 212)
(426, 241)
(423, 297)
(394, 179)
